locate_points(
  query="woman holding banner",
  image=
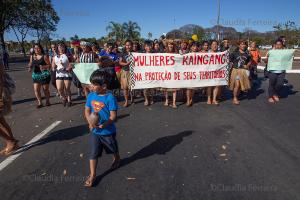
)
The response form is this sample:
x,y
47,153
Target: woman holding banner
x,y
87,56
148,93
212,92
276,77
125,74
191,91
239,78
205,47
171,48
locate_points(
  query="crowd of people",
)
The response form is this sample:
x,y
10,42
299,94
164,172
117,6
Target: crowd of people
x,y
101,106
55,67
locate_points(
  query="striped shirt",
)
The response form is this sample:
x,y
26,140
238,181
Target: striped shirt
x,y
87,58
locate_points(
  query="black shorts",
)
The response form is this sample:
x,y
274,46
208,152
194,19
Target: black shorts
x,y
64,78
100,142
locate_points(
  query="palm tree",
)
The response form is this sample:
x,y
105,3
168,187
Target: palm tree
x,y
132,30
149,35
115,31
74,38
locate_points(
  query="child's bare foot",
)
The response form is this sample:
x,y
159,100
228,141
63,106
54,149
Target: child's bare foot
x,y
90,181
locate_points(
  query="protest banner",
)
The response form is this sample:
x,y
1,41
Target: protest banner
x,y
193,70
83,71
280,59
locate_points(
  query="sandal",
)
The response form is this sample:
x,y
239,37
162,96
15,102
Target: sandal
x,y
174,106
276,98
271,100
39,106
115,164
215,103
236,102
7,151
89,181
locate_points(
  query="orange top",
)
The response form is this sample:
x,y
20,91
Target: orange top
x,y
255,57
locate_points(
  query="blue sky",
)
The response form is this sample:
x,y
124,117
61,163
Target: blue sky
x,y
89,18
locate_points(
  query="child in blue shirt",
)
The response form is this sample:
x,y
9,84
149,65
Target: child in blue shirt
x,y
103,105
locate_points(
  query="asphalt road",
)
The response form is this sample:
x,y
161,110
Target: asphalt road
x,y
251,151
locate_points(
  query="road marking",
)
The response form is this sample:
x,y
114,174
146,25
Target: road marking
x,y
13,157
293,71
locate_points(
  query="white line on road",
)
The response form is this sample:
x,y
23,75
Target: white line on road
x,y
292,71
13,157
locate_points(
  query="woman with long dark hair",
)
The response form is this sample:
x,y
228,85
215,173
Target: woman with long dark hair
x,y
39,65
61,64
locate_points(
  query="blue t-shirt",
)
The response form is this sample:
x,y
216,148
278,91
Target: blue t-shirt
x,y
102,104
111,55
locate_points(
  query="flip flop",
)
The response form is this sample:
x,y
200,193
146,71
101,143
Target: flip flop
x,y
89,181
236,102
115,164
3,151
215,103
11,150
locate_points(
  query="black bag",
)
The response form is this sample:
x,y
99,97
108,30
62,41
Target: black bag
x,y
266,72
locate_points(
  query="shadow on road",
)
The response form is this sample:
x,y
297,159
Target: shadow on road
x,y
60,135
160,146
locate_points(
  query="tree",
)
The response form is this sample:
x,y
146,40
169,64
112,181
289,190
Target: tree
x,y
132,30
289,30
9,10
74,38
116,31
21,31
43,18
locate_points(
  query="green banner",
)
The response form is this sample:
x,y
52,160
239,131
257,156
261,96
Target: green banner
x,y
280,59
83,71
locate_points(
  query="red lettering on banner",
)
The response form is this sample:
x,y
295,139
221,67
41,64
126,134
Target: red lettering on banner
x,y
157,63
184,60
137,76
173,60
205,60
219,74
176,75
162,60
190,75
199,59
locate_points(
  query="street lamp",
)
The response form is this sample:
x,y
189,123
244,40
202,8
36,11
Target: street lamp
x,y
218,22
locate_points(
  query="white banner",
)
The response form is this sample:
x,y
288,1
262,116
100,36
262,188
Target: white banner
x,y
162,70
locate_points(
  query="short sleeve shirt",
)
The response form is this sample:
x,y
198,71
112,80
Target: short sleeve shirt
x,y
102,104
